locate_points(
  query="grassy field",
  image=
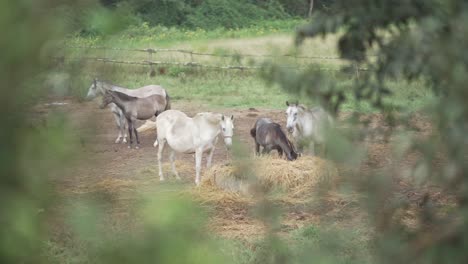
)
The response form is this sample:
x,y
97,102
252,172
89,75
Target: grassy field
x,y
216,87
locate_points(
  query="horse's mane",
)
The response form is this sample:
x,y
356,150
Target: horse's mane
x,y
303,107
213,118
106,82
123,96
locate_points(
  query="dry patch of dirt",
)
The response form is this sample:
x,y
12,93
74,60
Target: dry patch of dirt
x,y
121,173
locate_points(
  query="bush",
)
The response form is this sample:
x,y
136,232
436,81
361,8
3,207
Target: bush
x,y
231,14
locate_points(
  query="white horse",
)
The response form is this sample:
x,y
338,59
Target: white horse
x,y
100,87
191,135
307,125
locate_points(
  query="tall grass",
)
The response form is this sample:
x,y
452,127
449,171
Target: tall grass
x,y
145,35
236,89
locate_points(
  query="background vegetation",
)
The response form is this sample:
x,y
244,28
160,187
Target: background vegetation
x,y
204,14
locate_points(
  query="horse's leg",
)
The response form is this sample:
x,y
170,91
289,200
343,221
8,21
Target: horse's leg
x,y
210,157
266,150
198,160
160,151
280,151
172,158
130,128
136,135
119,125
124,126
312,148
257,149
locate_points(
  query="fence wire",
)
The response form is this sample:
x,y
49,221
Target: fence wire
x,y
192,63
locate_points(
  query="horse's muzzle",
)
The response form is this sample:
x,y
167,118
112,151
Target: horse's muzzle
x,y
290,129
228,142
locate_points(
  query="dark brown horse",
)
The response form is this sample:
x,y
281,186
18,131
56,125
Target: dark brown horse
x,y
270,136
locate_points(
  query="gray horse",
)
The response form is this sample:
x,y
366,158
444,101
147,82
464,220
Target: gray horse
x,y
100,87
134,108
307,126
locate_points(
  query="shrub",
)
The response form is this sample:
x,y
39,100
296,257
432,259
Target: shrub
x,y
231,14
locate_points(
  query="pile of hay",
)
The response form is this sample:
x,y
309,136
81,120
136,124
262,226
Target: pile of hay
x,y
297,179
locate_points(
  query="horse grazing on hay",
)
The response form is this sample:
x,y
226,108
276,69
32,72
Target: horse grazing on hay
x,y
191,135
270,136
307,126
100,87
134,108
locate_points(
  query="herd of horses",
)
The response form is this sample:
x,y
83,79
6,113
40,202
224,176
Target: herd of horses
x,y
199,134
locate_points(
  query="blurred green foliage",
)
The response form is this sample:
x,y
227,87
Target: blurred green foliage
x,y
407,41
414,40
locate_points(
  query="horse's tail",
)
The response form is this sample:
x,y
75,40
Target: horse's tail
x,y
148,125
253,132
168,102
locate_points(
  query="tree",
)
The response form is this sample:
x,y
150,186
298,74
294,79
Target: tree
x,y
311,6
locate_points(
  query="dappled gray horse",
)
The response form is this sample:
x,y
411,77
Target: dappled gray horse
x,y
134,108
270,136
100,87
307,126
191,135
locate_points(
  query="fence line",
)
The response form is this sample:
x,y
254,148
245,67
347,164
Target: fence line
x,y
193,64
191,52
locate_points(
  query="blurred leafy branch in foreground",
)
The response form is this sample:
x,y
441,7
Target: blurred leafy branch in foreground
x,y
36,150
407,40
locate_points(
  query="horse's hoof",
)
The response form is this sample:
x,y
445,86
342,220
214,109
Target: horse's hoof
x,y
137,147
129,147
117,141
124,141
161,179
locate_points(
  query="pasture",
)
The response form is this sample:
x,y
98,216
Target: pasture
x,y
112,183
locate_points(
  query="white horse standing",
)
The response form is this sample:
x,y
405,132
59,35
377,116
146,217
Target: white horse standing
x,y
307,125
191,135
100,87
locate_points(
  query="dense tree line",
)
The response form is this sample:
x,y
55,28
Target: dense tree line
x,y
215,13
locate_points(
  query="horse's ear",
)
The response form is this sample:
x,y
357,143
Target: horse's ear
x,y
222,117
232,117
287,103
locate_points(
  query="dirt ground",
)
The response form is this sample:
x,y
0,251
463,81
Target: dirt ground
x,y
104,165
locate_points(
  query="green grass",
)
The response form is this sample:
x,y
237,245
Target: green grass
x,y
235,89
223,88
160,36
313,242
213,89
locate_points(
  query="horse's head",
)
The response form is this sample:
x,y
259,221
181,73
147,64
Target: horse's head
x,y
293,154
107,98
292,115
94,90
227,129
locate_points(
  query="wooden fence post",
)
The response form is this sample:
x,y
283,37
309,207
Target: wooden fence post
x,y
150,61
